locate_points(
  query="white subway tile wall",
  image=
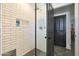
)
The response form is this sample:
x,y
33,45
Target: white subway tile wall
x,y
20,38
9,15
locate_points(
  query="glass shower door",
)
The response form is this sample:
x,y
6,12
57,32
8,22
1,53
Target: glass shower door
x,y
41,29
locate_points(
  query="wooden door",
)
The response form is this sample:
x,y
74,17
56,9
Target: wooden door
x,y
60,30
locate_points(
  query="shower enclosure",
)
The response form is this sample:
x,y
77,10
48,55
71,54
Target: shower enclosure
x,y
29,30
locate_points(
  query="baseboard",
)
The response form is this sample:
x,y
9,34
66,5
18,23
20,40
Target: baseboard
x,y
10,53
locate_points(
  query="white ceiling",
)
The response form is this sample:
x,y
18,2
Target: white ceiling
x,y
54,5
57,5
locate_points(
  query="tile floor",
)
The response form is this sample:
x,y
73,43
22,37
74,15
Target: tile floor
x,y
58,51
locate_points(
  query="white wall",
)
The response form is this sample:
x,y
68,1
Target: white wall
x,y
26,33
77,29
9,15
69,11
20,38
41,22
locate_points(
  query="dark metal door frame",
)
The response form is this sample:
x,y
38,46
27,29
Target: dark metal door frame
x,y
50,30
35,28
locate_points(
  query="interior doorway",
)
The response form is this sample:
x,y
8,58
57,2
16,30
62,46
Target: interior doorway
x,y
60,30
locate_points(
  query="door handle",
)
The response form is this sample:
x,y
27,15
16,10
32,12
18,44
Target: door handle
x,y
47,37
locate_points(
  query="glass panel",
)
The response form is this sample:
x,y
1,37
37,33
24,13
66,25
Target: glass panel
x,y
41,29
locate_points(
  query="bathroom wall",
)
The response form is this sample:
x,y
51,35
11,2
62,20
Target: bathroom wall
x,y
20,38
26,31
41,27
77,29
9,16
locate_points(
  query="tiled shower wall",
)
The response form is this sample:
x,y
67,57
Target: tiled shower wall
x,y
19,38
26,32
41,22
8,25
